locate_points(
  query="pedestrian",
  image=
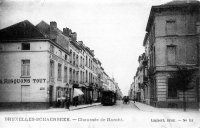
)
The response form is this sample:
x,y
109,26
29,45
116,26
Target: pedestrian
x,y
58,104
128,101
75,100
67,102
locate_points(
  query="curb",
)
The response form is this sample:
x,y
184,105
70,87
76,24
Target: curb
x,y
136,106
48,110
84,107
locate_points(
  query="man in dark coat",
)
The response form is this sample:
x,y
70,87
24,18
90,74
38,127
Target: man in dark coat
x,y
67,102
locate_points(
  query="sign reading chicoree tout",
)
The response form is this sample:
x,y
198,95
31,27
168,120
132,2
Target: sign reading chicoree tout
x,y
22,81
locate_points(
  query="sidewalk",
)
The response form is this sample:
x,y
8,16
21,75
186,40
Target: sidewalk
x,y
148,108
72,108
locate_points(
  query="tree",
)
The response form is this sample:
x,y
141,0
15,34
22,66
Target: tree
x,y
182,79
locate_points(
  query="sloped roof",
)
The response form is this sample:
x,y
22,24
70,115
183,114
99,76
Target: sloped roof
x,y
181,2
21,30
44,28
192,5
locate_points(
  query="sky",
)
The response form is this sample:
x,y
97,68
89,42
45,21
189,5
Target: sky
x,y
114,29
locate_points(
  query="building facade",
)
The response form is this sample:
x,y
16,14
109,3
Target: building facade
x,y
25,79
171,41
42,65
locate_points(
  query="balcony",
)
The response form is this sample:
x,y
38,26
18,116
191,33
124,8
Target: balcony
x,y
51,79
145,78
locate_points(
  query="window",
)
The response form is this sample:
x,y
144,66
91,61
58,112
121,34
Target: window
x,y
70,56
74,77
81,62
52,48
172,91
25,68
65,56
170,27
65,75
1,47
51,69
70,75
171,55
59,71
60,53
89,62
86,61
73,58
191,54
86,76
77,60
77,76
25,46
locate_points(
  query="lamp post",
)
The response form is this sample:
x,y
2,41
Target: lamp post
x,y
134,93
67,91
67,100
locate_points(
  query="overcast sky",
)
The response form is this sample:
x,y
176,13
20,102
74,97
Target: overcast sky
x,y
114,29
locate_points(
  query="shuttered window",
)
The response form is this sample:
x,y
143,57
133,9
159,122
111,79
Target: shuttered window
x,y
25,67
171,55
59,72
170,27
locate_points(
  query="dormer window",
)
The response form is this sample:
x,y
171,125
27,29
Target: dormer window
x,y
25,46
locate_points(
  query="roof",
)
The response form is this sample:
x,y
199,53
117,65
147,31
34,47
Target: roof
x,y
21,30
181,2
44,28
74,43
192,5
26,31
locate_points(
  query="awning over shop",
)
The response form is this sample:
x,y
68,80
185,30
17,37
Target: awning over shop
x,y
77,92
86,84
82,85
75,85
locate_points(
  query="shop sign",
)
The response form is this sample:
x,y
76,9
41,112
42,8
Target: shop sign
x,y
22,81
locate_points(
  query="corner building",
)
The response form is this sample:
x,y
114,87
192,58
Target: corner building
x,y
173,40
33,68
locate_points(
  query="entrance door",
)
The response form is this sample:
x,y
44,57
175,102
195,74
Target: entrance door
x,y
25,93
50,95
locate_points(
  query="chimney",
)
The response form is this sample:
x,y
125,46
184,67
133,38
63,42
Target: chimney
x,y
67,32
53,30
80,42
74,36
92,52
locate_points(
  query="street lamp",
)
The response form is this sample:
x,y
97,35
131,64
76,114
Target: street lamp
x,y
67,85
134,93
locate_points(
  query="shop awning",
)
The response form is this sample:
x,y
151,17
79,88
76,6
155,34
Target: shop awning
x,y
82,85
77,92
86,84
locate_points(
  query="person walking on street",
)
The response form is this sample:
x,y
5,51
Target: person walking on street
x,y
75,100
67,102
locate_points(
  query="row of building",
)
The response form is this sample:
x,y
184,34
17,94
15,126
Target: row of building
x,y
172,40
40,64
